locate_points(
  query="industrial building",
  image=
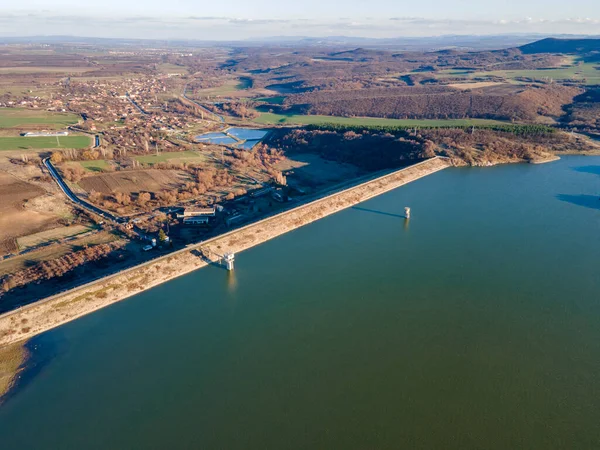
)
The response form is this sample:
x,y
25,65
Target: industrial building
x,y
197,216
45,134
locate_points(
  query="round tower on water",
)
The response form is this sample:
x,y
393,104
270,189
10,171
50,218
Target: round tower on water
x,y
228,259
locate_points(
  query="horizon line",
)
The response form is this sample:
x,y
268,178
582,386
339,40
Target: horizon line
x,y
308,37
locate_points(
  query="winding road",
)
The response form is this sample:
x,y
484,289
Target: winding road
x,y
69,193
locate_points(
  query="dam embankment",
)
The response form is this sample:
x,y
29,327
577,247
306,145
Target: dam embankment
x,y
54,311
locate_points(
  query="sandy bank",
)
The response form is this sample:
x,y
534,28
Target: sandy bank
x,y
12,358
67,306
545,160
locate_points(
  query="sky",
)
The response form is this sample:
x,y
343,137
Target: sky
x,y
248,19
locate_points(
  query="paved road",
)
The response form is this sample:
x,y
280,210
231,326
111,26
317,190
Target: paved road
x,y
69,193
133,102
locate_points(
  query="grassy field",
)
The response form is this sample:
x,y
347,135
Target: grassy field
x,y
98,165
228,88
55,234
172,68
585,72
174,157
37,143
18,117
12,86
277,100
269,118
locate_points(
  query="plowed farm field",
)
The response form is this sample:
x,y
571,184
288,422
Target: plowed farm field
x,y
135,181
15,219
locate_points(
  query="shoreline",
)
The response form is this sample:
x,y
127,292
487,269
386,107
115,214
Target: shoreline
x,y
548,159
41,316
13,359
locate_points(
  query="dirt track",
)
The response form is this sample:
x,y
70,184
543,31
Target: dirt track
x,y
62,308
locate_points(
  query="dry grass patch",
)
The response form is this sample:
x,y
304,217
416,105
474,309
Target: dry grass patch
x,y
54,234
135,181
15,220
474,85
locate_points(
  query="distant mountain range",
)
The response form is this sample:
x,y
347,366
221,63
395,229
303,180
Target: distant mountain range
x,y
528,43
554,45
459,42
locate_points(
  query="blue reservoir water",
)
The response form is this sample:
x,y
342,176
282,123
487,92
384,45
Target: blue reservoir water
x,y
247,134
215,138
475,325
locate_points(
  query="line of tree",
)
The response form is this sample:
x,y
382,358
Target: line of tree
x,y
58,267
516,129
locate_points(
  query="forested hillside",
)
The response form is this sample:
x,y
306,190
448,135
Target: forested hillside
x,y
376,148
439,102
553,45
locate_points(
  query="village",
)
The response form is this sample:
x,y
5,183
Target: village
x,y
152,172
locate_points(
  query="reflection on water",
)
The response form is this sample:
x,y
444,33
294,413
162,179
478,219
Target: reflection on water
x,y
588,169
383,213
231,281
588,201
247,134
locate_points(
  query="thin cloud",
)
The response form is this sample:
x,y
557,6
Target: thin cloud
x,y
207,18
239,21
406,19
233,28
